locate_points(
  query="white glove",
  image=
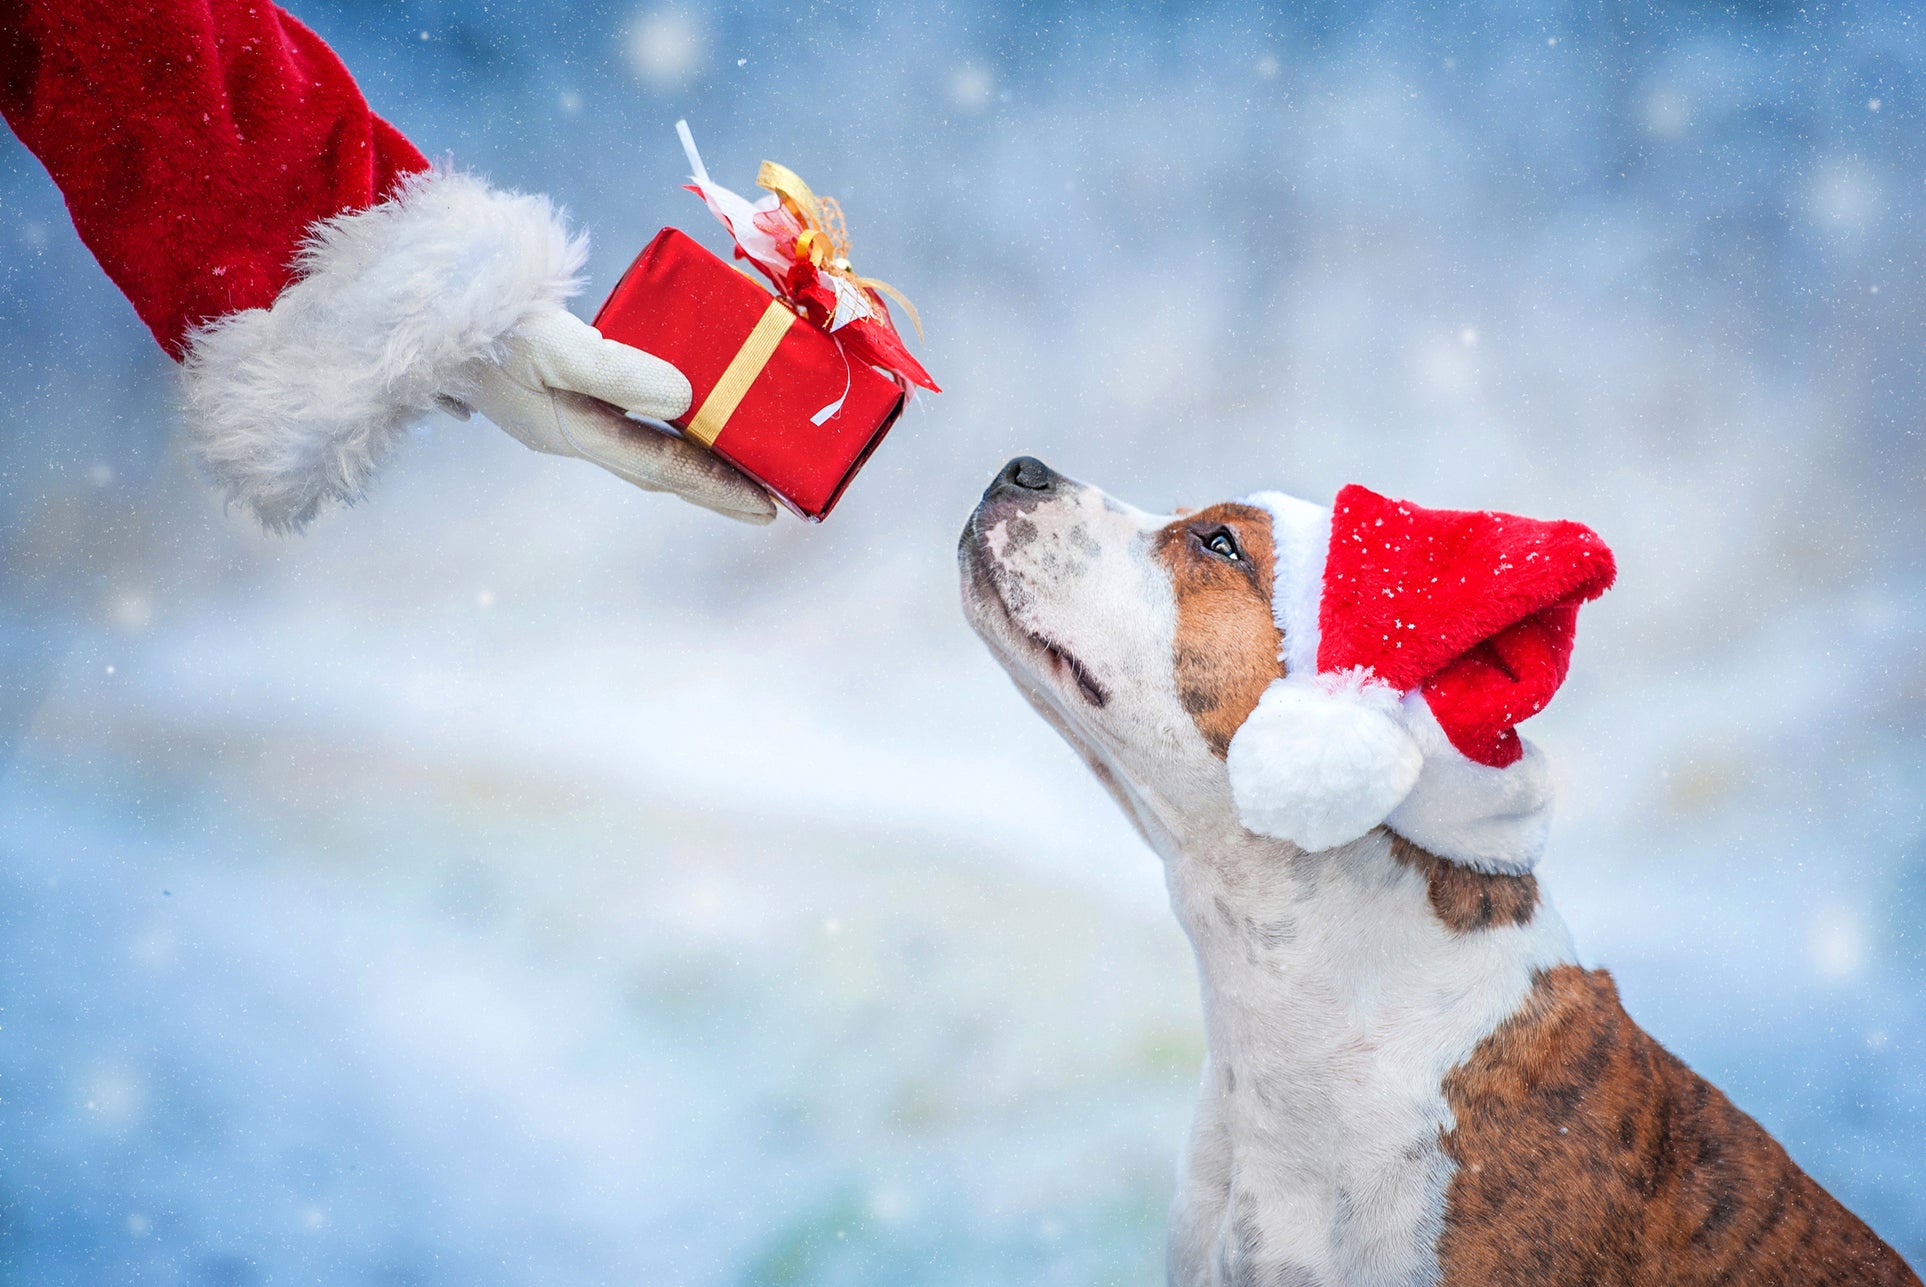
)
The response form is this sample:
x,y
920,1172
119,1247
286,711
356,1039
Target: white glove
x,y
561,388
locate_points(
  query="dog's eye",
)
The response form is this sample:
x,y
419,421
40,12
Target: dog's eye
x,y
1224,545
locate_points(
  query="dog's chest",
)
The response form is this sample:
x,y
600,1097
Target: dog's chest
x,y
1335,1005
1351,1195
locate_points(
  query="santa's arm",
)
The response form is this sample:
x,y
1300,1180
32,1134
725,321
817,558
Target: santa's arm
x,y
322,285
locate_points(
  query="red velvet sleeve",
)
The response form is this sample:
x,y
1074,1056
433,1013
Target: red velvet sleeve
x,y
196,142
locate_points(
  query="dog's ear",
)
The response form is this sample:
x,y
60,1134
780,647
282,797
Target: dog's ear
x,y
1184,511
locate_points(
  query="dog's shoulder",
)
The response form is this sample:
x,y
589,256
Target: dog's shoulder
x,y
1587,1152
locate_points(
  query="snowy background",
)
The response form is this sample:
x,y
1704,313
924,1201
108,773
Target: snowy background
x,y
520,879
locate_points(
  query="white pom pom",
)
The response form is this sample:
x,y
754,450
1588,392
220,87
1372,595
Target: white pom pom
x,y
1322,761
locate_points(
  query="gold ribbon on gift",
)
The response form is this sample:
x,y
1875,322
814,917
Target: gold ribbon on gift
x,y
824,240
707,424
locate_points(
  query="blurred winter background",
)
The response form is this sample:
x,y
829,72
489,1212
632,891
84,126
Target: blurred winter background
x,y
521,879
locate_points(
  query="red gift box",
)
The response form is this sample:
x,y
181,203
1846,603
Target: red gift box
x,y
767,383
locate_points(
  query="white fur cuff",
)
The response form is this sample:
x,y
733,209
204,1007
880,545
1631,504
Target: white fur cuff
x,y
299,403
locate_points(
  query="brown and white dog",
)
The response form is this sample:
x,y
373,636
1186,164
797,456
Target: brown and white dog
x,y
1409,1079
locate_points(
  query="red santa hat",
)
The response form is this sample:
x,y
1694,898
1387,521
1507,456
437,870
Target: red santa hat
x,y
1415,641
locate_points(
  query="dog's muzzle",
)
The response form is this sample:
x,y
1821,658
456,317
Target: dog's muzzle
x,y
1021,485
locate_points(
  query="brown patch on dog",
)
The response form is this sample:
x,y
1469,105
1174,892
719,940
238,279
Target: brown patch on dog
x,y
1227,646
1588,1153
1467,900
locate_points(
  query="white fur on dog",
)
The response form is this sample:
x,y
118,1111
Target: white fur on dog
x,y
1335,1004
393,306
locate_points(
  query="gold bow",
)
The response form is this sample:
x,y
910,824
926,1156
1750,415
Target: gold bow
x,y
824,240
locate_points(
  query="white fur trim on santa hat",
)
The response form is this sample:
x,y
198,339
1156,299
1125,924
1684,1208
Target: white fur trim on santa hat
x,y
1489,819
1300,533
296,404
1322,760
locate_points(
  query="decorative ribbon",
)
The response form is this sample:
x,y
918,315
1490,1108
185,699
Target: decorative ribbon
x,y
800,242
707,424
824,240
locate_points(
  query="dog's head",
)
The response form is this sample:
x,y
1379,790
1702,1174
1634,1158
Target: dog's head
x,y
1286,669
1145,639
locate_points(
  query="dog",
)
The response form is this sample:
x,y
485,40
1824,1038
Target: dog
x,y
1409,1080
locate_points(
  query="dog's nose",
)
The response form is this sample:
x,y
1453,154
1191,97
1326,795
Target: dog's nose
x,y
1027,473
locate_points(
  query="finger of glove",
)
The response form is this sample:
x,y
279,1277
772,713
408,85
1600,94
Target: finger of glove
x,y
573,355
659,461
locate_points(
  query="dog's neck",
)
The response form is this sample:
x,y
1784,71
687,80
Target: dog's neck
x,y
1357,942
1339,990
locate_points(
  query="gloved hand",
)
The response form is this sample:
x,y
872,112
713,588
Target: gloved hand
x,y
561,388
